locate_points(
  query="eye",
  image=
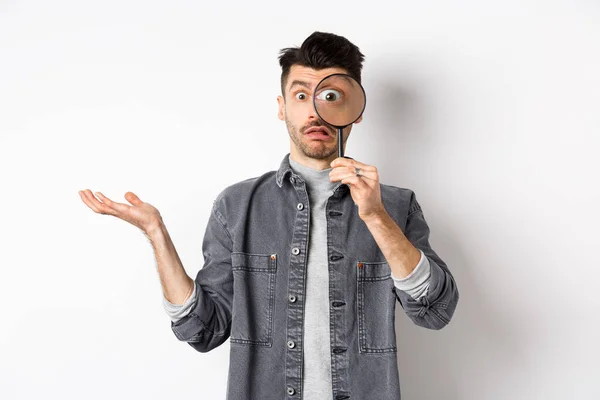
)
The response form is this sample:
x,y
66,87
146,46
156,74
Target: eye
x,y
329,95
301,95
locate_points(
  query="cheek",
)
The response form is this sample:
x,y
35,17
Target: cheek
x,y
298,112
289,112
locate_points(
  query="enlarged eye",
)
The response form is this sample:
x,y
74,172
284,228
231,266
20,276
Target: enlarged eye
x,y
329,95
301,95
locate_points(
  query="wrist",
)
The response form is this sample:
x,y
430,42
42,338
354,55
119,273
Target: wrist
x,y
375,217
156,231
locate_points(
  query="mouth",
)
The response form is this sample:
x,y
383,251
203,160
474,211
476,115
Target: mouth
x,y
318,132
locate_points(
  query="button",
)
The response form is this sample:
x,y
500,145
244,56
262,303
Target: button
x,y
273,256
300,206
291,344
291,391
295,251
292,298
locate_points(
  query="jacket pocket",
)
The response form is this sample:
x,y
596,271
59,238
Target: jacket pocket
x,y
376,308
253,298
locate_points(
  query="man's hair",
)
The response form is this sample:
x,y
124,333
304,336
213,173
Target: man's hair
x,y
322,50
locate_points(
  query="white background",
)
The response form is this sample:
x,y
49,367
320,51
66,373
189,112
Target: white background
x,y
489,111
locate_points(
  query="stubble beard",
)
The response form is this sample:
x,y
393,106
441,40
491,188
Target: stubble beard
x,y
320,151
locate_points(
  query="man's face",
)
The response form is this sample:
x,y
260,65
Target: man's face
x,y
298,112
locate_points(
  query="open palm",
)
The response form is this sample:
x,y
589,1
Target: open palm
x,y
143,215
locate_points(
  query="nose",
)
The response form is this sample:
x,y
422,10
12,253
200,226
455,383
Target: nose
x,y
312,114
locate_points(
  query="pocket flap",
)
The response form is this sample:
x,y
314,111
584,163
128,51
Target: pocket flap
x,y
376,270
254,262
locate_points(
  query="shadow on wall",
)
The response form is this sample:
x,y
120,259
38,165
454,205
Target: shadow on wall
x,y
479,339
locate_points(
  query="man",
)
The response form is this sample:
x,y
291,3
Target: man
x,y
303,265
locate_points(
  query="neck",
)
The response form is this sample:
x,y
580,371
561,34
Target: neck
x,y
317,180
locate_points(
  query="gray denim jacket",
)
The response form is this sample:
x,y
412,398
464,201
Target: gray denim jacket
x,y
251,289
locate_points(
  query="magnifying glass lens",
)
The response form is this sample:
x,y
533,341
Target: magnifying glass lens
x,y
339,100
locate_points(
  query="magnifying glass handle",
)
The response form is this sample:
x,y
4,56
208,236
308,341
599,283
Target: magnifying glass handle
x,y
340,148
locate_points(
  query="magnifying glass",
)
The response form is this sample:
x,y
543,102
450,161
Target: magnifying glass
x,y
339,101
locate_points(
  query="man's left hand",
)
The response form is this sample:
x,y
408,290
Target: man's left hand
x,y
364,189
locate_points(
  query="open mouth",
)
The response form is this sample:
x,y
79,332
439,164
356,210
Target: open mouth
x,y
317,132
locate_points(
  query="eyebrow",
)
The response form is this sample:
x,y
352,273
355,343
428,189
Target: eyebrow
x,y
299,83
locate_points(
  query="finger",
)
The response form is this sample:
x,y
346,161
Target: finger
x,y
369,182
368,177
133,199
351,163
113,205
87,202
93,203
363,173
356,182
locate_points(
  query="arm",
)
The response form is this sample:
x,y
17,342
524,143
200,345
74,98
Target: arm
x,y
401,249
436,308
208,323
175,282
417,282
438,295
178,311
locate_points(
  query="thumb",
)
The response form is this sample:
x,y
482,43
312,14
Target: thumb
x,y
133,199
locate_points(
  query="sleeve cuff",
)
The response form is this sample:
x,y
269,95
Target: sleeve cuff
x,y
178,311
417,282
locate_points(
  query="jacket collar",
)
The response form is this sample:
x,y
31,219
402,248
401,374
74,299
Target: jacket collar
x,y
285,168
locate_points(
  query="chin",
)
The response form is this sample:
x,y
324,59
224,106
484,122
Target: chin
x,y
320,155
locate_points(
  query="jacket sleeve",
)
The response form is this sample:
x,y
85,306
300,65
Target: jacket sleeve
x,y
208,324
435,309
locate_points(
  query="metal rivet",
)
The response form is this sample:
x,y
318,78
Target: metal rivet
x,y
295,251
273,256
291,390
292,298
291,344
300,206
360,265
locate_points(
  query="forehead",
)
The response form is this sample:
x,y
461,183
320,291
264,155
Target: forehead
x,y
309,75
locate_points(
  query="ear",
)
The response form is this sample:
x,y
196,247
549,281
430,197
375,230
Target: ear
x,y
281,112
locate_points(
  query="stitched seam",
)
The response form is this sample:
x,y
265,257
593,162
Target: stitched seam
x,y
414,206
220,219
248,341
205,327
440,316
413,212
270,273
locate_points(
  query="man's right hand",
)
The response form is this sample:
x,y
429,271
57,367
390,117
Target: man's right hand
x,y
143,215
